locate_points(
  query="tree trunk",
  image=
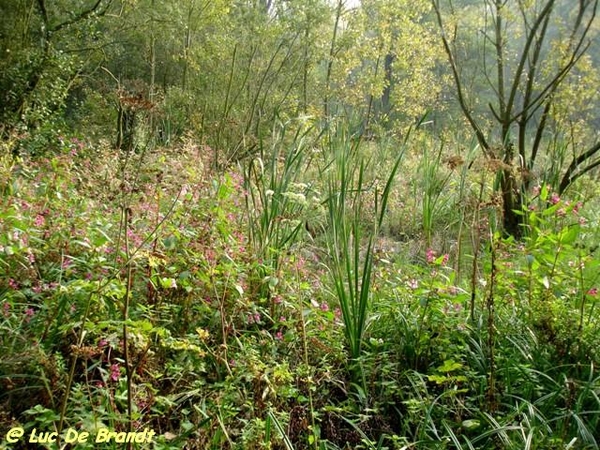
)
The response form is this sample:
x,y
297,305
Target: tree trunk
x,y
512,203
385,97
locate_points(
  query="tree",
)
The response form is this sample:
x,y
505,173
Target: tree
x,y
382,61
39,63
528,48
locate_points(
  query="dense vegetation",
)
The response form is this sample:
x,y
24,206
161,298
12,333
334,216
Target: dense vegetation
x,y
300,224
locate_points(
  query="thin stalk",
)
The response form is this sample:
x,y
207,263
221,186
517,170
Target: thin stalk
x,y
338,15
71,376
307,365
126,304
490,307
259,90
581,289
225,108
475,242
370,103
152,86
420,323
305,70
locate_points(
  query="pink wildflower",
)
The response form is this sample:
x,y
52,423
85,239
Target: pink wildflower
x,y
29,313
279,335
39,221
337,313
300,263
324,307
593,291
254,318
211,256
6,309
13,284
430,255
115,372
554,198
142,404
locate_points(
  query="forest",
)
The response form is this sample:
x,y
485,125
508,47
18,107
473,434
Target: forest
x,y
299,224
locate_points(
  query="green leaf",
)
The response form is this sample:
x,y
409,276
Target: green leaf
x,y
546,282
551,210
170,242
438,379
240,289
544,193
449,366
143,325
470,424
569,235
168,283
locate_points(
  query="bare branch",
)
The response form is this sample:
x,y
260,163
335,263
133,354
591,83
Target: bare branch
x,y
82,15
521,66
577,52
43,11
499,46
458,82
573,172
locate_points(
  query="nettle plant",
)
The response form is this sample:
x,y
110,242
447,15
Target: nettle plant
x,y
559,273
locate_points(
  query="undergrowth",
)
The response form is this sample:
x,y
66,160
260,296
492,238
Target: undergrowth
x,y
275,306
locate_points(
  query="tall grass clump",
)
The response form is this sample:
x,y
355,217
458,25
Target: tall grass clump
x,y
433,184
351,237
276,196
